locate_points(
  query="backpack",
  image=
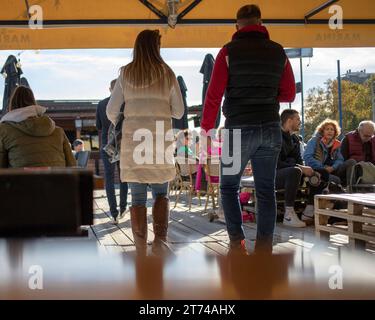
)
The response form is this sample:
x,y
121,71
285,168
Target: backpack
x,y
113,147
363,173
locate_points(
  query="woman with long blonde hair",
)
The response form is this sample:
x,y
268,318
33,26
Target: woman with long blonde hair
x,y
152,97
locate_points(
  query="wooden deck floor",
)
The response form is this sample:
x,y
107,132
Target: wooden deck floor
x,y
74,268
192,231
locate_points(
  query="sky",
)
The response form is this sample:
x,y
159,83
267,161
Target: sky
x,y
85,74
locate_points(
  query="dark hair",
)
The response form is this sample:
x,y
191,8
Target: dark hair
x,y
186,133
287,114
182,135
249,14
77,142
21,97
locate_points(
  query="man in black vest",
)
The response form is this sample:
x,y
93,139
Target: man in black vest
x,y
255,74
102,124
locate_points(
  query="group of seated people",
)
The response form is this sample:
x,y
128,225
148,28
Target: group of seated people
x,y
188,151
324,156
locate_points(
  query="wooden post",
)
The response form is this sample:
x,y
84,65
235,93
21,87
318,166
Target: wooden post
x,y
355,227
320,220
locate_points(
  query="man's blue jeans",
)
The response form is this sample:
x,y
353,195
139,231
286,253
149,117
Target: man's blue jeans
x,y
139,192
261,144
109,177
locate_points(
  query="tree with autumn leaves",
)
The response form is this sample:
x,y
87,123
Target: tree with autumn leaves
x,y
322,103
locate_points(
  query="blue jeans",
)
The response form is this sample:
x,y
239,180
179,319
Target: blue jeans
x,y
261,144
139,192
109,177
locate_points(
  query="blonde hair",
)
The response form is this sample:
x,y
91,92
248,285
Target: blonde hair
x,y
147,66
329,122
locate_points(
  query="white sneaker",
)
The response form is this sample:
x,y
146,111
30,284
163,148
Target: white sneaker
x,y
308,213
291,219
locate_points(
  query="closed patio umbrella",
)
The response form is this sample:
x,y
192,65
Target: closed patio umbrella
x,y
206,70
182,124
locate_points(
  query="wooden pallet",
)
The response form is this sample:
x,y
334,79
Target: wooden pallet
x,y
360,216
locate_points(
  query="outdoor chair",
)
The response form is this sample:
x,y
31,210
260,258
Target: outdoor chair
x,y
175,184
45,202
185,172
83,159
212,170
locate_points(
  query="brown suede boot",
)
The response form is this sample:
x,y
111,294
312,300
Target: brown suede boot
x,y
160,214
138,218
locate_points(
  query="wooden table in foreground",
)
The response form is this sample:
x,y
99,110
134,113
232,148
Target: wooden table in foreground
x,y
80,269
357,209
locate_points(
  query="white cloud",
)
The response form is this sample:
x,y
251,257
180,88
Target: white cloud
x,y
184,63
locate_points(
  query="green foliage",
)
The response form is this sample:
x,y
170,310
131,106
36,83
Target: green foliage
x,y
322,103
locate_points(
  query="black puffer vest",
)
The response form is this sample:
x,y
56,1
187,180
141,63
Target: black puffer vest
x,y
256,65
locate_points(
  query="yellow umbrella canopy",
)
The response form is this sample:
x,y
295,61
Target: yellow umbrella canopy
x,y
200,23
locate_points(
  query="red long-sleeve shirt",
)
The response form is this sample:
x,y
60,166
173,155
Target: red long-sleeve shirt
x,y
219,81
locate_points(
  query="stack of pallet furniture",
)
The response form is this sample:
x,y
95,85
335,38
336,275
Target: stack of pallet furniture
x,y
360,217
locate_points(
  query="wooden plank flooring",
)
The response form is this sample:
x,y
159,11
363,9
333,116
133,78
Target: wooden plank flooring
x,y
192,231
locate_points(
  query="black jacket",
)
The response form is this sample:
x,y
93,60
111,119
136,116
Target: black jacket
x,y
290,154
256,65
102,122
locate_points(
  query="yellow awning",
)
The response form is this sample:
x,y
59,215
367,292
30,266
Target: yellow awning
x,y
116,23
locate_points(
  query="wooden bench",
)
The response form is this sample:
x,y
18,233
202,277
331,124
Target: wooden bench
x,y
248,185
360,217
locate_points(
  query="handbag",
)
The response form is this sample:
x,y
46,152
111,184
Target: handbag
x,y
113,147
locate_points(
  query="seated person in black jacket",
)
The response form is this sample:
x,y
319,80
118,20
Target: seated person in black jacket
x,y
290,167
78,147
